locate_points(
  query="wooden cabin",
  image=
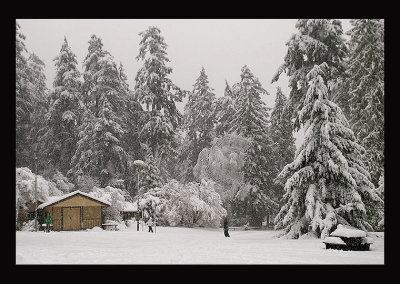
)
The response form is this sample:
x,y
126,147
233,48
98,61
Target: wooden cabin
x,y
74,211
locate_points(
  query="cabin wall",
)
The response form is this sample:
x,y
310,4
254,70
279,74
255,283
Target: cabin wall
x,y
75,217
91,217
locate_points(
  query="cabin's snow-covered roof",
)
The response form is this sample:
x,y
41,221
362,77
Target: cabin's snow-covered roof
x,y
55,199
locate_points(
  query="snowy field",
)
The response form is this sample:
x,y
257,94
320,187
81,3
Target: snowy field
x,y
174,245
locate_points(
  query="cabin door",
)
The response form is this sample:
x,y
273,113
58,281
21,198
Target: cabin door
x,y
71,218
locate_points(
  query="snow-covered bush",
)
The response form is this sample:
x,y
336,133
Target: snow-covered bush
x,y
25,187
223,164
28,226
192,204
115,196
25,192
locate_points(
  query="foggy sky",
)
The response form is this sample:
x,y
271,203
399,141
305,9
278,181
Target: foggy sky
x,y
221,46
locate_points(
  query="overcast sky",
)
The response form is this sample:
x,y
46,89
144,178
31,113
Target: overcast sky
x,y
221,46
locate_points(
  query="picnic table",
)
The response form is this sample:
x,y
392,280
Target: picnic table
x,y
348,238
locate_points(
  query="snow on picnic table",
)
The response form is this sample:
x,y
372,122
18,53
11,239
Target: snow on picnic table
x,y
176,245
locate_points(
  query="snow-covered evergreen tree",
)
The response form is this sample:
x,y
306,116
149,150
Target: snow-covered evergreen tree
x,y
37,78
224,111
39,94
150,176
366,90
327,183
158,93
63,117
130,142
251,121
24,102
198,122
281,130
99,152
381,210
199,112
251,116
318,41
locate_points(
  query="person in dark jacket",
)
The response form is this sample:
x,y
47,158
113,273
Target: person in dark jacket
x,y
226,227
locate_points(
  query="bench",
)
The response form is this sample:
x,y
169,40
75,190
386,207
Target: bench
x,y
109,227
253,228
236,228
244,228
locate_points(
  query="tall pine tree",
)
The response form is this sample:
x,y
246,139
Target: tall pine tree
x,y
198,121
133,121
281,130
366,91
24,103
318,41
149,176
158,93
251,121
224,111
99,152
64,115
327,183
40,103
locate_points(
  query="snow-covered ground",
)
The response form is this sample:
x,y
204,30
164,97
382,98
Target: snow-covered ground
x,y
175,245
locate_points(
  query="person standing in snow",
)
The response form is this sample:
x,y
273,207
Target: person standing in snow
x,y
150,224
48,222
226,227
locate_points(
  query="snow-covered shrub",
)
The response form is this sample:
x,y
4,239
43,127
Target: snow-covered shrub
x,y
223,164
121,226
203,206
192,204
165,201
25,188
115,196
25,191
28,226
